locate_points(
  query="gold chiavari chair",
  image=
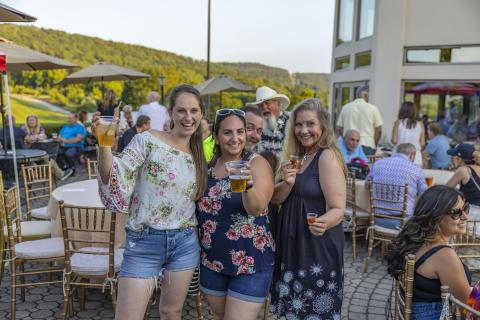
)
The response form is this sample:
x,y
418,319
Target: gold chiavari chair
x,y
387,201
355,219
91,168
37,181
453,306
34,252
373,158
90,253
404,290
467,245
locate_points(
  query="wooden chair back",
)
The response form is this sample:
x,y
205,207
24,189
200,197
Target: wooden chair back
x,y
91,168
37,181
389,198
373,158
468,245
11,217
404,290
456,307
87,227
351,193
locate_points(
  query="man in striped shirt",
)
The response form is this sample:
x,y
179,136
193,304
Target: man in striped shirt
x,y
272,106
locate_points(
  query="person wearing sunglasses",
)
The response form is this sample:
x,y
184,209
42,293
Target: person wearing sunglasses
x,y
235,237
440,213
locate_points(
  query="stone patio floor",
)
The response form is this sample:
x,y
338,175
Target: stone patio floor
x,y
365,294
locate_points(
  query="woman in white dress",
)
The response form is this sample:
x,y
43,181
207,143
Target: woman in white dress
x,y
407,129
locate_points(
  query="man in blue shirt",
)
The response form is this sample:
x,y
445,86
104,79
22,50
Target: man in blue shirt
x,y
350,146
398,169
437,147
71,138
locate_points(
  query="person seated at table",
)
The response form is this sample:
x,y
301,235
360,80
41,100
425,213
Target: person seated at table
x,y
33,131
107,105
71,138
18,134
142,124
440,213
398,169
437,147
350,146
467,175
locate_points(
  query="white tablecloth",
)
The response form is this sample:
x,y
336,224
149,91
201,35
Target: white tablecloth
x,y
363,198
83,194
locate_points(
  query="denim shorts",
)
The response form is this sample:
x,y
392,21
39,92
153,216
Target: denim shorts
x,y
426,310
150,251
247,287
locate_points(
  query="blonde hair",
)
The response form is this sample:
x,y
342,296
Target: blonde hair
x,y
476,157
36,129
327,139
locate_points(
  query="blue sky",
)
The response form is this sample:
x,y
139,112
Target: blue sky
x,y
292,34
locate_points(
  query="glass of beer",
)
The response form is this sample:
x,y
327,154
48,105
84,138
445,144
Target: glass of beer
x,y
238,182
106,132
311,216
429,181
294,161
54,135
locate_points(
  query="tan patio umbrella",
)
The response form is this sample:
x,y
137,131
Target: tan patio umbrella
x,y
23,59
9,14
220,84
102,71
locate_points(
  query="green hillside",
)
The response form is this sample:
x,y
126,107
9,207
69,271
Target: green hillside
x,y
85,51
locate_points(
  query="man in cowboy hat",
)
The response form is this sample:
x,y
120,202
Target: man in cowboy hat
x,y
272,106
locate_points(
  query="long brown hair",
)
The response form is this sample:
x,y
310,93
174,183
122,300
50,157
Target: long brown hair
x,y
408,112
196,140
109,100
327,139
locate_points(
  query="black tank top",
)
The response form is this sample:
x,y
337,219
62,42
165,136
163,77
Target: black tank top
x,y
426,289
470,190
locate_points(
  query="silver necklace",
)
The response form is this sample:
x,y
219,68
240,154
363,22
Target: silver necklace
x,y
307,155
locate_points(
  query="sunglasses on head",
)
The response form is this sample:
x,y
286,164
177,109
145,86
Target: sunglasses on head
x,y
226,112
457,213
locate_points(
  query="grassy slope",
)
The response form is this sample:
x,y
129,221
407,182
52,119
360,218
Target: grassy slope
x,y
21,109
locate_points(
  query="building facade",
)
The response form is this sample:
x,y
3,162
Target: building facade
x,y
424,51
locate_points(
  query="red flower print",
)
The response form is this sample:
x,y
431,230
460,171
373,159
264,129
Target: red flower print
x,y
242,270
260,230
232,234
246,230
249,261
215,191
217,266
260,242
209,226
237,257
206,240
205,205
216,205
171,176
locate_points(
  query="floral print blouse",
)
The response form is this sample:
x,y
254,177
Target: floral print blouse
x,y
33,136
232,241
154,183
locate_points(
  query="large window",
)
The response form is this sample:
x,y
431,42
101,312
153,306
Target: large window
x,y
367,18
465,54
342,63
363,59
345,21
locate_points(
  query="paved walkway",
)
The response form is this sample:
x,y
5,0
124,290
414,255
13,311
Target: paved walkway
x,y
365,294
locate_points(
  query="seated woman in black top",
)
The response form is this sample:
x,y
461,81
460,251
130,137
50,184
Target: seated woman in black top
x,y
440,213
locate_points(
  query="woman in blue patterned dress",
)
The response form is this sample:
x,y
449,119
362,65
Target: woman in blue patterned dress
x,y
308,276
235,238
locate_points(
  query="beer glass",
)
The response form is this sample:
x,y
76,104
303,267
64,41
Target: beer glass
x,y
238,182
429,181
106,132
294,161
311,216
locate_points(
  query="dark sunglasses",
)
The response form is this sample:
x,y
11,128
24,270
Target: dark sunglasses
x,y
226,112
457,213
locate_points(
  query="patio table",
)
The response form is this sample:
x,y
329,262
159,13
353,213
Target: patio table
x,y
84,194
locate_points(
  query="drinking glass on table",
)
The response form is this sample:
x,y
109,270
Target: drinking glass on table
x,y
106,130
429,181
54,135
238,181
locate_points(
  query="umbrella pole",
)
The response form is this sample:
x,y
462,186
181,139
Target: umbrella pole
x,y
4,138
12,138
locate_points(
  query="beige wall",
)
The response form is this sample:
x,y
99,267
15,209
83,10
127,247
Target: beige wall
x,y
442,22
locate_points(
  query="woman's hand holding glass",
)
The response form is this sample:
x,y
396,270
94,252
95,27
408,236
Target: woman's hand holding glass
x,y
319,227
288,173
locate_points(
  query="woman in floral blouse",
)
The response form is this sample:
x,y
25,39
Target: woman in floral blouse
x,y
33,131
235,237
156,180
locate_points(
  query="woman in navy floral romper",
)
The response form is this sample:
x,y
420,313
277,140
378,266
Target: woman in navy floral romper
x,y
236,241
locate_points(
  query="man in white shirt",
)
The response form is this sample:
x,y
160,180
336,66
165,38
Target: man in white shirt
x,y
157,113
363,117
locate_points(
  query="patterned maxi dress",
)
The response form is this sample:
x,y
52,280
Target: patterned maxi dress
x,y
308,277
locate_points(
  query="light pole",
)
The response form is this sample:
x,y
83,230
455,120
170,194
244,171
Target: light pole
x,y
208,41
162,88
